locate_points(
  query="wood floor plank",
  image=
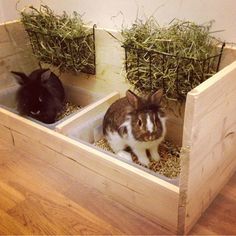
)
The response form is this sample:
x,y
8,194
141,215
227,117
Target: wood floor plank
x,y
43,215
8,225
9,197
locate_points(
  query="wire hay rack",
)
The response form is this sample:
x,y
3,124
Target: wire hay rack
x,y
148,70
61,40
176,57
77,54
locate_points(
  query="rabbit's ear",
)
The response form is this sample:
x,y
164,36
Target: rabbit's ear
x,y
45,76
20,77
133,99
156,97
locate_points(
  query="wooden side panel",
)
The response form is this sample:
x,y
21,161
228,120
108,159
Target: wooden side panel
x,y
110,72
228,56
209,138
175,122
140,191
88,112
15,52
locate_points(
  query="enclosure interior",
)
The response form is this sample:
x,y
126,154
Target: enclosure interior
x,y
75,95
91,131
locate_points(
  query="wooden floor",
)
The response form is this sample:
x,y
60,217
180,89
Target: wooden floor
x,y
37,197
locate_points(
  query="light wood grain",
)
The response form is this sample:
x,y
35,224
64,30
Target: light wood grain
x,y
220,217
9,225
228,56
15,52
6,135
88,112
210,135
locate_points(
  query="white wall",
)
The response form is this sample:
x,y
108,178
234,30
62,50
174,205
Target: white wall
x,y
101,11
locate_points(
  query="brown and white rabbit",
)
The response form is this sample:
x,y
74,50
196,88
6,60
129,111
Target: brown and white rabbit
x,y
136,123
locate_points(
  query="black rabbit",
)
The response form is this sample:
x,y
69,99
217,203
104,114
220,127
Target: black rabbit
x,y
41,95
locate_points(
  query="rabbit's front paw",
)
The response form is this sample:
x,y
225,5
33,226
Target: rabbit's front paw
x,y
142,156
154,154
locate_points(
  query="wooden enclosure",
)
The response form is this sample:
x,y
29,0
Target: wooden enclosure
x,y
208,138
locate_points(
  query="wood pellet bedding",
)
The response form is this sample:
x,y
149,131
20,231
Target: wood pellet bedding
x,y
68,109
168,165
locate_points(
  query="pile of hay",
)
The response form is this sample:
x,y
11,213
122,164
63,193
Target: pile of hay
x,y
177,57
62,41
68,109
168,165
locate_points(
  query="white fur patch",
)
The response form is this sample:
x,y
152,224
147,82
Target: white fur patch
x,y
149,124
118,143
35,113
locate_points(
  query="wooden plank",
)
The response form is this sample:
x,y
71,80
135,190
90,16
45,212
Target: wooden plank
x,y
129,222
21,61
220,217
149,199
9,197
6,135
228,56
175,122
15,50
210,136
16,227
7,49
17,34
4,34
6,80
110,72
214,183
88,112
